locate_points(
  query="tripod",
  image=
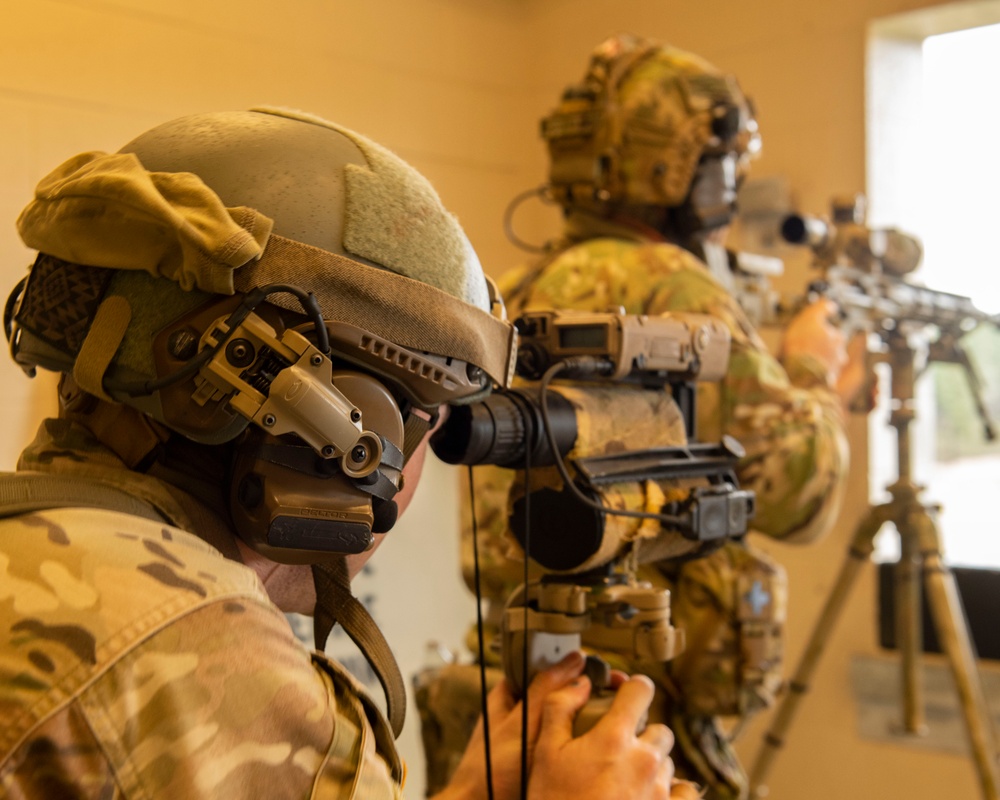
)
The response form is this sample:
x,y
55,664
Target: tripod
x,y
920,548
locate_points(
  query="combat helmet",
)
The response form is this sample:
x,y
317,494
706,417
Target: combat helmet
x,y
274,281
651,128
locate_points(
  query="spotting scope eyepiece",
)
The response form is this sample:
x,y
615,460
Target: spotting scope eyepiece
x,y
503,428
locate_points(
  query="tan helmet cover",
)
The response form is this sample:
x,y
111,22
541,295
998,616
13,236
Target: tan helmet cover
x,y
226,202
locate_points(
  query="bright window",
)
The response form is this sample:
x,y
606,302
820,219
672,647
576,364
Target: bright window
x,y
934,170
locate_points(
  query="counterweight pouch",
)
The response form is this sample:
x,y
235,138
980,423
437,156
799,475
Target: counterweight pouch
x,y
732,606
449,700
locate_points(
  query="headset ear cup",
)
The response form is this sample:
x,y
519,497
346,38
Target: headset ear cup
x,y
285,506
385,514
294,506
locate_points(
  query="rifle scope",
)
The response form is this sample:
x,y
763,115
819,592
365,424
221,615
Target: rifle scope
x,y
802,229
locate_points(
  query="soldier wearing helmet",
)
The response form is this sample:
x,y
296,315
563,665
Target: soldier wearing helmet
x,y
646,155
257,317
653,136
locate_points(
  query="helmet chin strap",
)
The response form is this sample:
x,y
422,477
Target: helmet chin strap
x,y
335,604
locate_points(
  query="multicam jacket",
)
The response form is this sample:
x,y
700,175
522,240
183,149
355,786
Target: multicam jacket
x,y
136,661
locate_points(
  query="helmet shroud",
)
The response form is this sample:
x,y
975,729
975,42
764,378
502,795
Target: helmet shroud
x,y
632,137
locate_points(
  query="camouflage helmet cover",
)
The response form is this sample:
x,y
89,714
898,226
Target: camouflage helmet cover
x,y
634,131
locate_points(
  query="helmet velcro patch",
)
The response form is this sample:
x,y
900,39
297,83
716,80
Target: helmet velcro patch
x,y
394,217
60,301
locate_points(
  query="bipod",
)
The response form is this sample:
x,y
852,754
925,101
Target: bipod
x,y
920,555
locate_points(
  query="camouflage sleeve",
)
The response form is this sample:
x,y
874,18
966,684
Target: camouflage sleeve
x,y
794,436
224,703
136,662
797,456
806,372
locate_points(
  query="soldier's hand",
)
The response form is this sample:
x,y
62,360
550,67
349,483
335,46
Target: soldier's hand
x,y
856,384
469,779
610,760
812,332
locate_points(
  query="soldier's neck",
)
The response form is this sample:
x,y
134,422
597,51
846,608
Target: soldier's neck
x,y
581,225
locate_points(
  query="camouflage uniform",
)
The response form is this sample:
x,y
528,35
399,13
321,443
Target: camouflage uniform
x,y
732,602
136,660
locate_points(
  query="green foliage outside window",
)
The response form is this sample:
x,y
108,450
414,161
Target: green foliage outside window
x,y
959,427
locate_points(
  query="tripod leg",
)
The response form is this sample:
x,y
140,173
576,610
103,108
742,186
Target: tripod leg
x,y
953,633
859,552
909,638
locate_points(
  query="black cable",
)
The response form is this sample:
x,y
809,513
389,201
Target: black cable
x,y
8,309
547,378
311,306
524,644
308,301
508,218
480,630
139,388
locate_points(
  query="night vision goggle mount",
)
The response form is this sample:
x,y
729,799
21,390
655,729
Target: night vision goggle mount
x,y
286,386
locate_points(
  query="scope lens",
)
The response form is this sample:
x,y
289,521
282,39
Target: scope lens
x,y
490,432
793,229
501,429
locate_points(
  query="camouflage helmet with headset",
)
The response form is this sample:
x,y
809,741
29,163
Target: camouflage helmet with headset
x,y
206,238
651,127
